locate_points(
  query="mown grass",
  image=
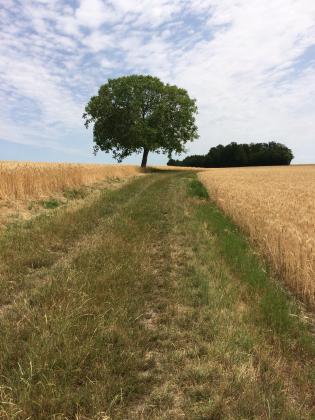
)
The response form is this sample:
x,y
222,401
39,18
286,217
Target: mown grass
x,y
146,303
40,242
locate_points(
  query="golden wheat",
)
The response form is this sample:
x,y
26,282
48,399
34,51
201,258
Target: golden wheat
x,y
25,180
276,207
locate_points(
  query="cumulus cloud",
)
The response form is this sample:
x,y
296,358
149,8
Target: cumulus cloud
x,y
250,65
93,13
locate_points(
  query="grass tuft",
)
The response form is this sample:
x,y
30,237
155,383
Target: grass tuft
x,y
50,204
74,193
196,189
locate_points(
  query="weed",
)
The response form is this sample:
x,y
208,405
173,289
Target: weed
x,y
52,203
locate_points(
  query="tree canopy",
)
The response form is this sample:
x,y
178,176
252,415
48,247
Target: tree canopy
x,y
136,113
253,154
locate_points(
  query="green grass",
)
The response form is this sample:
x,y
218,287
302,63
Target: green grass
x,y
146,303
52,203
196,189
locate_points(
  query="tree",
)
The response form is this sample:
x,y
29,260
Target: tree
x,y
233,154
140,113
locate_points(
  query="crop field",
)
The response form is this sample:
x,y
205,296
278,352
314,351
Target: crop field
x,y
276,207
27,180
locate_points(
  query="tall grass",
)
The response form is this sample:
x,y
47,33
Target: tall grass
x,y
275,206
24,180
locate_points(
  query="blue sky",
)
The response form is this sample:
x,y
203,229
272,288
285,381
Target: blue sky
x,y
249,63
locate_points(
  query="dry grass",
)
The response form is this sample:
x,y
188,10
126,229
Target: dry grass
x,y
27,180
276,207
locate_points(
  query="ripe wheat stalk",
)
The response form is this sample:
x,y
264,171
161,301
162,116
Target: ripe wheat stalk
x,y
276,207
27,180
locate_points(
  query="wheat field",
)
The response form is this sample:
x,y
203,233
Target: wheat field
x,y
276,207
28,180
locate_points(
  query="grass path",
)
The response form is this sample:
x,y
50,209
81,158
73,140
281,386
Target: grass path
x,y
146,304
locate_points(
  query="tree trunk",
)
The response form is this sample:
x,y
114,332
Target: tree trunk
x,y
144,158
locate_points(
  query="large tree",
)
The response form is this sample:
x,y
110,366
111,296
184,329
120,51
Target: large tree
x,y
134,114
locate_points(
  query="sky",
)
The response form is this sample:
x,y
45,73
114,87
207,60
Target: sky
x,y
250,64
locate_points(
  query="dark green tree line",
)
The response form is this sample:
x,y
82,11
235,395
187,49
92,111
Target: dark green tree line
x,y
253,154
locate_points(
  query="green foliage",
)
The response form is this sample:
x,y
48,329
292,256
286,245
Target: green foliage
x,y
135,113
233,154
50,204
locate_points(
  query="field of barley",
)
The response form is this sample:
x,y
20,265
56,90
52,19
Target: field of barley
x,y
276,207
28,180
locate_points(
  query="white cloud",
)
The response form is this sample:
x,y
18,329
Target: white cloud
x,y
93,13
147,12
98,41
238,76
108,64
242,59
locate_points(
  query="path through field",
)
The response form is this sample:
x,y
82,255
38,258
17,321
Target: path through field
x,y
146,304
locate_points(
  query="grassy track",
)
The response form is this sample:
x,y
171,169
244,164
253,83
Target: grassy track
x,y
146,304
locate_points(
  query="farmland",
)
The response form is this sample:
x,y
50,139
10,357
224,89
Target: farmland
x,y
27,180
275,206
147,302
28,188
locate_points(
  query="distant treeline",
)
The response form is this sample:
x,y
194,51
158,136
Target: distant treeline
x,y
253,154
